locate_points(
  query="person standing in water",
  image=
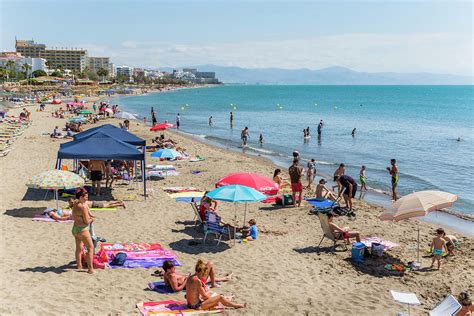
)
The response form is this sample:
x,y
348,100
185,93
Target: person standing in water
x,y
353,132
210,120
244,135
320,127
153,117
260,140
178,121
363,179
231,119
393,170
304,133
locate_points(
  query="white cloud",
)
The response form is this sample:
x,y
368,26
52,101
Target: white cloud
x,y
435,52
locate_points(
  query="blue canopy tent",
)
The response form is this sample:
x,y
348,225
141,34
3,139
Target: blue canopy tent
x,y
101,146
115,132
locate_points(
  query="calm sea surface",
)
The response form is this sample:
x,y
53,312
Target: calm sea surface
x,y
417,125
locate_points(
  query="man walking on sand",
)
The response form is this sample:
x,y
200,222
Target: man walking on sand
x,y
393,170
296,174
98,170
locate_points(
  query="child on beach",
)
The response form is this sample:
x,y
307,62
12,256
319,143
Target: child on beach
x,y
439,247
253,230
451,243
363,179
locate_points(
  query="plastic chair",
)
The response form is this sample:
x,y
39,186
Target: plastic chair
x,y
213,225
327,233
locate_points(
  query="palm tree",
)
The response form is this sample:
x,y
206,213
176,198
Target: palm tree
x,y
49,65
26,67
3,72
11,67
102,72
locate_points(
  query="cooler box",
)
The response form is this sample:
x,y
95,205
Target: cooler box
x,y
358,249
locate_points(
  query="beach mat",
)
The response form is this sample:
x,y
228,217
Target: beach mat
x,y
144,263
42,218
145,255
186,194
397,267
387,244
188,199
171,307
171,190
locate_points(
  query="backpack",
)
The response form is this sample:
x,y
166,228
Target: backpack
x,y
119,259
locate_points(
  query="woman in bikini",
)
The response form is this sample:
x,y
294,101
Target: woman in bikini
x,y
80,230
277,178
197,295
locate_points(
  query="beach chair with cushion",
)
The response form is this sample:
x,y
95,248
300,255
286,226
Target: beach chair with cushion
x,y
448,307
197,217
327,233
213,225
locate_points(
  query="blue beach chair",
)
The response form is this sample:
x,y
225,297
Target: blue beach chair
x,y
213,225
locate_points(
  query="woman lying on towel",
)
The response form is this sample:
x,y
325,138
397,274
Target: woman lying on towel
x,y
197,295
58,215
344,233
177,281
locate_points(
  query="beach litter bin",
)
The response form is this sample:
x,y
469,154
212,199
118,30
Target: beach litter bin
x,y
358,250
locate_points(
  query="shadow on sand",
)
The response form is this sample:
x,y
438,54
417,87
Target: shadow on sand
x,y
58,270
375,266
24,212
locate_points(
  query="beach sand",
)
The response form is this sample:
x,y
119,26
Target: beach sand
x,y
282,273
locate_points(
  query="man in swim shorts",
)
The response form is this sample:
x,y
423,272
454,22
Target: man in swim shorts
x,y
97,168
349,187
393,170
296,174
244,136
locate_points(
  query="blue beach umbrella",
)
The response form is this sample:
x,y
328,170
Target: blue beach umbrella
x,y
166,153
237,194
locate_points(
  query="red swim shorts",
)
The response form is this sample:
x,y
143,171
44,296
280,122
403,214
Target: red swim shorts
x,y
297,187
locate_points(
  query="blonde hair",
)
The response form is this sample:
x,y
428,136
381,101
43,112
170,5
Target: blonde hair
x,y
201,267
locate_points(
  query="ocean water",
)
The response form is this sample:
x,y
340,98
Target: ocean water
x,y
417,125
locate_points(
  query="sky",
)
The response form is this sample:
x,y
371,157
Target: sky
x,y
371,36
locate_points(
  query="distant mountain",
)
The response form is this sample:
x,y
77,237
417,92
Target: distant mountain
x,y
328,76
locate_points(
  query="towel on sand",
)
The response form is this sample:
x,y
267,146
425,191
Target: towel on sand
x,y
387,244
185,194
171,307
43,218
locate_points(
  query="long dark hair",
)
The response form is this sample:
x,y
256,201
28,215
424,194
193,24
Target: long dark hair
x,y
277,171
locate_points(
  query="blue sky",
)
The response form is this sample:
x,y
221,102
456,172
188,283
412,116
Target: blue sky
x,y
401,36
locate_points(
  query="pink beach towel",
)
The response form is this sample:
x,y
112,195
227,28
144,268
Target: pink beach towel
x,y
42,218
387,244
171,307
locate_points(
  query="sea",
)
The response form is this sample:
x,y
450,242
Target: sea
x,y
429,130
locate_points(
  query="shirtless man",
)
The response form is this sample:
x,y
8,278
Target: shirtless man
x,y
109,175
339,172
198,297
393,170
322,192
97,168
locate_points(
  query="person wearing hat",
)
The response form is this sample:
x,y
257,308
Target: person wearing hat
x,y
322,191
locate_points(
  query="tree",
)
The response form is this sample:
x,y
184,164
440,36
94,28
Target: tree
x,y
56,74
102,72
38,73
3,72
10,68
49,64
92,76
26,68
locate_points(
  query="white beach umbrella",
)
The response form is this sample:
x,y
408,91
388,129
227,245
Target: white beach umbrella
x,y
418,204
125,116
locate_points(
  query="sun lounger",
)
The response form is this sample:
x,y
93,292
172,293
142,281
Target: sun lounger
x,y
327,233
405,298
197,217
448,307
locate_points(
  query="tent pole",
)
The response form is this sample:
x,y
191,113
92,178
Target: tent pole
x,y
245,214
56,195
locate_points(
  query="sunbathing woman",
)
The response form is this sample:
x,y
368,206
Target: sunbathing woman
x,y
197,295
80,230
343,233
58,215
279,180
98,204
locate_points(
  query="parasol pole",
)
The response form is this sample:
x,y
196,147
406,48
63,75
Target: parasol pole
x,y
56,196
235,221
245,214
418,246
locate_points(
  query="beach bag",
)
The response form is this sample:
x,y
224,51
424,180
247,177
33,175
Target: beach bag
x,y
377,249
119,259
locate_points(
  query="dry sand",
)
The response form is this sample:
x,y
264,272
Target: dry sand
x,y
282,273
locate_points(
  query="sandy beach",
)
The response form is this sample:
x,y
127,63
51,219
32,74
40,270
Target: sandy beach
x,y
281,273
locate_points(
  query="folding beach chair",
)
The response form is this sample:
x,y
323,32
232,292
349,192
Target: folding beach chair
x,y
197,217
327,233
213,225
321,205
448,307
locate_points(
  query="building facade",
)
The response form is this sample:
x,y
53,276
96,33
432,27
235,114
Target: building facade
x,y
96,63
67,58
19,61
125,71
